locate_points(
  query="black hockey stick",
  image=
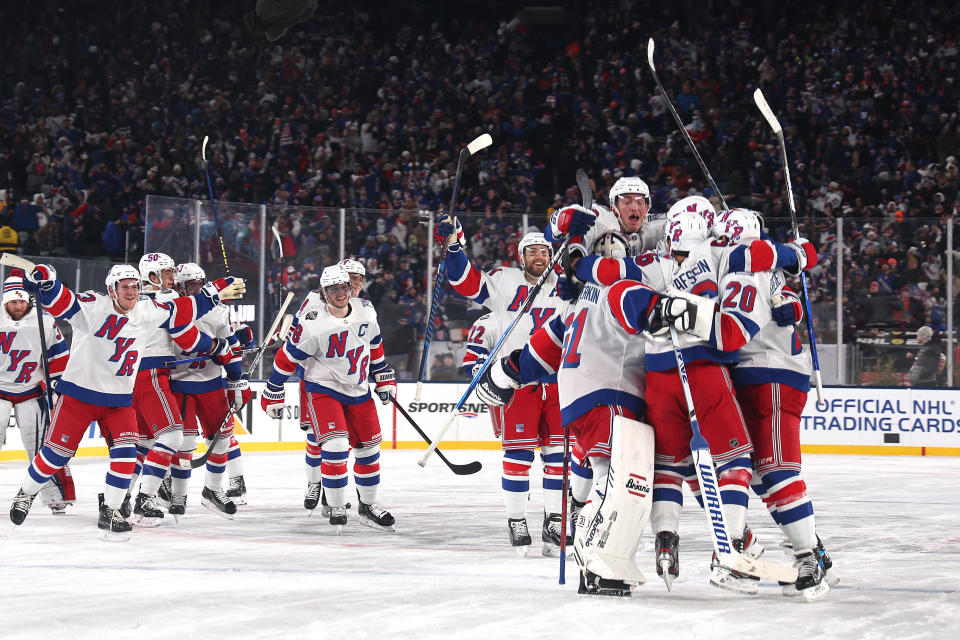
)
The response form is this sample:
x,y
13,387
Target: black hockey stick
x,y
586,195
480,142
202,460
460,469
213,203
683,129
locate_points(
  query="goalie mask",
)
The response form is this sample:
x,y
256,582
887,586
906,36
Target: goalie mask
x,y
154,264
612,244
630,201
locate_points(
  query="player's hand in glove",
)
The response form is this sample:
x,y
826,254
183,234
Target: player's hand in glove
x,y
220,351
806,255
691,313
567,289
245,337
271,401
238,394
787,310
574,220
223,289
42,278
499,381
449,231
385,384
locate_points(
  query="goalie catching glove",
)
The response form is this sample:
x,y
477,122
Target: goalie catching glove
x,y
272,401
385,384
223,289
684,312
499,381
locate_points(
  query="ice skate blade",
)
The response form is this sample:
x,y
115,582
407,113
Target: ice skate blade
x,y
665,573
522,550
238,500
324,511
832,578
339,529
113,536
550,550
209,505
146,523
373,525
724,580
815,593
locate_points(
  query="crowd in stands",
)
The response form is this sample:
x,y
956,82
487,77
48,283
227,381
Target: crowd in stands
x,y
365,107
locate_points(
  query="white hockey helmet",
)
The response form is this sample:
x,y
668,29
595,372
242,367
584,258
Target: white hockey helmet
x,y
187,271
120,272
924,333
531,239
154,263
611,244
333,275
697,204
687,232
631,184
13,290
737,225
353,266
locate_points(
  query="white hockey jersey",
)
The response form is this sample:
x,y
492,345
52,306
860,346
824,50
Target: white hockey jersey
x,y
480,340
106,347
337,354
21,371
159,346
644,240
204,375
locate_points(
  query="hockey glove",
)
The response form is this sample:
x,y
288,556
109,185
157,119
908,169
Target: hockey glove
x,y
42,278
499,381
475,369
787,310
245,336
567,289
238,394
220,351
806,256
570,258
449,231
574,220
223,289
283,331
385,384
272,401
689,313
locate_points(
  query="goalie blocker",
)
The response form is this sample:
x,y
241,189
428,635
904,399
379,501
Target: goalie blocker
x,y
610,526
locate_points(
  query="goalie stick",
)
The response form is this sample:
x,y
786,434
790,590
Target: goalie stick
x,y
683,129
586,196
460,469
496,348
199,462
477,144
778,131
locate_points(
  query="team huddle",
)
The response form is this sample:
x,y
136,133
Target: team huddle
x,y
592,377
597,358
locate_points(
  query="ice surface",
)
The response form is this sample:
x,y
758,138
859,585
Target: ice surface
x,y
891,524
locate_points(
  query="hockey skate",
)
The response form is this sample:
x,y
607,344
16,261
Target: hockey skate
x,y
550,534
146,511
165,493
375,516
668,557
111,523
831,576
811,577
312,498
338,518
593,585
237,491
178,506
731,580
519,535
324,507
20,507
218,502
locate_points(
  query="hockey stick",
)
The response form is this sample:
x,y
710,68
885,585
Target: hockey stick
x,y
778,131
586,195
199,462
170,364
213,203
480,142
683,129
13,260
460,469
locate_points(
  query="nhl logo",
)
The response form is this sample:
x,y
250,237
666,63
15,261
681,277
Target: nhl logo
x,y
637,486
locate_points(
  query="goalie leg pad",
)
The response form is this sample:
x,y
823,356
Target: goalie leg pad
x,y
610,527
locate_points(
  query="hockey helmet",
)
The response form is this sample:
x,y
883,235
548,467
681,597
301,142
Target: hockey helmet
x,y
333,275
696,204
737,225
687,232
187,271
120,272
630,184
611,244
532,239
154,263
13,290
353,266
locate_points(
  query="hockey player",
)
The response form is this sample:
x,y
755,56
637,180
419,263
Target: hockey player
x,y
480,341
98,381
532,418
22,381
358,275
199,391
339,346
772,379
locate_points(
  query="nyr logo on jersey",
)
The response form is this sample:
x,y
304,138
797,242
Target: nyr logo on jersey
x,y
122,353
17,357
540,317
